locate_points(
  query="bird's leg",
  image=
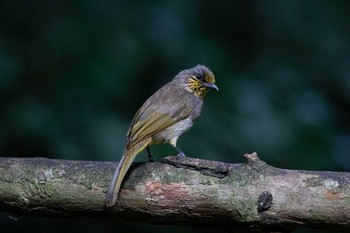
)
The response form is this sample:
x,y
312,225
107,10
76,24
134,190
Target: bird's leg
x,y
150,158
181,153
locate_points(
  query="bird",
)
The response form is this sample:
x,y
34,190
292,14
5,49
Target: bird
x,y
163,118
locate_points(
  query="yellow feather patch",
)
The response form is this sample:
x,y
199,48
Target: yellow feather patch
x,y
195,86
209,79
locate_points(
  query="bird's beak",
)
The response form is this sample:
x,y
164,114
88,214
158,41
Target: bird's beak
x,y
211,86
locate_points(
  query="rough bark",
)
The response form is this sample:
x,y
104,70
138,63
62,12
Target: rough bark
x,y
180,191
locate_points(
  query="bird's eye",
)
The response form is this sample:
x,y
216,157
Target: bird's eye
x,y
200,77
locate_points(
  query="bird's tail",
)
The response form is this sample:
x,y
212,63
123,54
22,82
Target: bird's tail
x,y
123,166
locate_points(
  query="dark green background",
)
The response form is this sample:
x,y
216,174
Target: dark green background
x,y
73,73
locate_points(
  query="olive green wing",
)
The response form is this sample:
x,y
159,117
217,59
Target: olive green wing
x,y
150,120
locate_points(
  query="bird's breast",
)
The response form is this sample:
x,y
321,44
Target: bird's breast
x,y
172,133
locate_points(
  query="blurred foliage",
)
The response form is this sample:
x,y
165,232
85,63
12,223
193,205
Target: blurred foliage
x,y
73,73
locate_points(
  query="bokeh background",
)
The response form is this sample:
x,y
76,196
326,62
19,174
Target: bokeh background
x,y
73,73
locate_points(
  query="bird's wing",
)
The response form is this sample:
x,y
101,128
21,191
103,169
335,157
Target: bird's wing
x,y
150,120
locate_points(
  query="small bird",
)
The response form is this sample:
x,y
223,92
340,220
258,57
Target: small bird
x,y
163,118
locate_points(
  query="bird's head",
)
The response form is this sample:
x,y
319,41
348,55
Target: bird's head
x,y
198,80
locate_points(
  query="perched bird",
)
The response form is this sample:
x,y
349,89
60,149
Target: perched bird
x,y
166,115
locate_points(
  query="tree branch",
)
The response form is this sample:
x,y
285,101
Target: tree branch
x,y
180,191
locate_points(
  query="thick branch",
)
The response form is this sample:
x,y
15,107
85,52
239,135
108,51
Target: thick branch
x,y
181,191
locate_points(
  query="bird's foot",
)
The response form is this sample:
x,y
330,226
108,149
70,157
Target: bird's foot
x,y
179,159
150,159
181,155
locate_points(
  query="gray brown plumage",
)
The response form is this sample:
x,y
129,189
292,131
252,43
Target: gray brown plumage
x,y
166,115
